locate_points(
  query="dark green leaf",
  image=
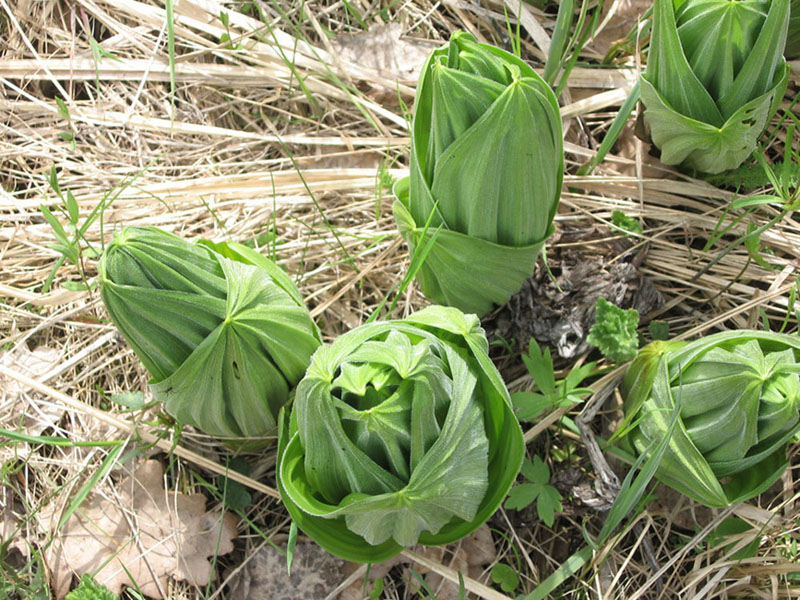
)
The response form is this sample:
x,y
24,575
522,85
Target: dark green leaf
x,y
536,471
540,366
547,504
522,495
529,405
659,330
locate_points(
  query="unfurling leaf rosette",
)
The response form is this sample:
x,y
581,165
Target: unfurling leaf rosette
x,y
738,397
715,75
222,330
401,432
487,165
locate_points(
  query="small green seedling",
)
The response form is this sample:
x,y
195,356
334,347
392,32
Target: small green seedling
x,y
551,393
614,331
548,500
506,577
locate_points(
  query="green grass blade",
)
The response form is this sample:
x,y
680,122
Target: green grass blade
x,y
559,41
614,131
108,463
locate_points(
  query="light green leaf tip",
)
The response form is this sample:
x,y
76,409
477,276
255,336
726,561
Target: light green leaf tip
x,y
614,331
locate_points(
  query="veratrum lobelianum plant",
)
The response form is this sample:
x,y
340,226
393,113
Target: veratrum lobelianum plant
x,y
738,396
486,168
793,38
715,75
401,432
221,329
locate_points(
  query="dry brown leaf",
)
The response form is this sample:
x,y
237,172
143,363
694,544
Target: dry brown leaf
x,y
22,409
29,417
315,573
469,556
174,536
382,49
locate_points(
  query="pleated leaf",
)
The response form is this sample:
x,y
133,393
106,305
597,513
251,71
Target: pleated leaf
x,y
452,421
486,165
793,37
225,339
739,399
714,77
707,148
456,261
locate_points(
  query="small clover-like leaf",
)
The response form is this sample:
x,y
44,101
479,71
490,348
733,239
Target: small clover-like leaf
x,y
506,577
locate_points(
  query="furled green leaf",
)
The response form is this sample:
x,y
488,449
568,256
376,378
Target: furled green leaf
x,y
401,432
221,329
476,111
715,75
739,399
793,37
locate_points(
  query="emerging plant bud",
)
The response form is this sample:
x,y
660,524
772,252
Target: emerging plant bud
x,y
715,75
401,432
487,164
222,330
738,395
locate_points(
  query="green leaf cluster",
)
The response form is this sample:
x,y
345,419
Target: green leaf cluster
x,y
738,395
486,171
715,75
401,432
551,393
547,498
222,330
614,331
89,589
624,223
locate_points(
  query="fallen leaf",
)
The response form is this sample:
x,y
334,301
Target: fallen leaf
x,y
381,48
30,414
143,534
470,556
315,573
12,529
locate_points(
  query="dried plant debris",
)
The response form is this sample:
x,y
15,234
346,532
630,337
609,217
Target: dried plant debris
x,y
559,310
138,532
315,573
23,410
12,529
382,48
470,556
263,576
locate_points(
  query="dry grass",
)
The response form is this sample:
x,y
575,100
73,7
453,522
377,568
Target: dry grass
x,y
274,136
